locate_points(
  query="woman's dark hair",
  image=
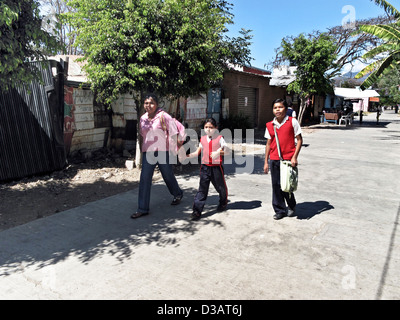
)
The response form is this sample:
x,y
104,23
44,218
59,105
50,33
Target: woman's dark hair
x,y
279,100
210,120
151,95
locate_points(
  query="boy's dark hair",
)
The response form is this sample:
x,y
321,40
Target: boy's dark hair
x,y
279,100
210,120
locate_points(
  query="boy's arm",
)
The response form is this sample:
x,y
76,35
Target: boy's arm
x,y
297,151
267,149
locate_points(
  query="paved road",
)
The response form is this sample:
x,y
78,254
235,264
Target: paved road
x,y
344,243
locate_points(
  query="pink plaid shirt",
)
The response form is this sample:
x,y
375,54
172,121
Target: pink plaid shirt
x,y
154,136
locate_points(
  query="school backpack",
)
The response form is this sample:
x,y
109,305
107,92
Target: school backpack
x,y
181,131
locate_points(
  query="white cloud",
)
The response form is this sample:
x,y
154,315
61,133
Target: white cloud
x,y
357,66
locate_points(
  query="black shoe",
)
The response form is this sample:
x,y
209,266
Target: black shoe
x,y
138,215
195,216
279,216
177,200
222,207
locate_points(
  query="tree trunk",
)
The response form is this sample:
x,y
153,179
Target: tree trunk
x,y
138,151
302,109
138,155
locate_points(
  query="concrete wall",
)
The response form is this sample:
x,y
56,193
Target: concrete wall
x,y
86,126
85,135
196,111
124,120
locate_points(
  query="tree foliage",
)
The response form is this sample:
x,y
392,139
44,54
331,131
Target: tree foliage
x,y
172,47
388,87
389,9
22,39
350,47
386,57
313,57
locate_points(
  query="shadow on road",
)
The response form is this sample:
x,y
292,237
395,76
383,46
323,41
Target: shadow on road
x,y
307,210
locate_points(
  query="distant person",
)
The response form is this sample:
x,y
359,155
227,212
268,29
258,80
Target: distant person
x,y
290,112
378,113
287,129
361,116
212,147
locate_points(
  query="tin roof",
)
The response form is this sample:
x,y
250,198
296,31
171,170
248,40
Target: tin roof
x,y
75,73
355,93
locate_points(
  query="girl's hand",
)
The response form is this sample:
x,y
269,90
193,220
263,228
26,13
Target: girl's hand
x,y
215,154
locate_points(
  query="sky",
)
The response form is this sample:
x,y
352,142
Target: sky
x,y
273,20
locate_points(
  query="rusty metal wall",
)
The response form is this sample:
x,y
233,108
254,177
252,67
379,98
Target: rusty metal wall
x,y
31,127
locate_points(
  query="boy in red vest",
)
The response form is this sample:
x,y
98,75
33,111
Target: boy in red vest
x,y
212,147
287,129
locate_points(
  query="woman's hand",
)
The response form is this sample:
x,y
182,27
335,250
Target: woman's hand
x,y
182,154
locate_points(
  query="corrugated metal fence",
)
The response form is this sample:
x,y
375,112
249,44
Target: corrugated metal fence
x,y
31,127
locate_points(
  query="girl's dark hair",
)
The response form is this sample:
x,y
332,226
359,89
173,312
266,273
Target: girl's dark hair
x,y
210,120
151,95
279,100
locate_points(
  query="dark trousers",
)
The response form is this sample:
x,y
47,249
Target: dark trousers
x,y
150,161
278,196
215,175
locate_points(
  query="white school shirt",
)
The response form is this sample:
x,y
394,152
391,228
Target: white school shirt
x,y
222,142
295,124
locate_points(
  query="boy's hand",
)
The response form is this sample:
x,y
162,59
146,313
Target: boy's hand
x,y
294,162
266,167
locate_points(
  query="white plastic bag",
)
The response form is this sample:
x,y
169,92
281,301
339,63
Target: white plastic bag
x,y
289,177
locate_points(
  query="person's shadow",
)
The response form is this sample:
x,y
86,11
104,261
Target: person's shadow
x,y
307,210
237,205
245,205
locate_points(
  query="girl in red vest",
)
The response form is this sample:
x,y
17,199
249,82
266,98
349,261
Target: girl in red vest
x,y
287,129
212,147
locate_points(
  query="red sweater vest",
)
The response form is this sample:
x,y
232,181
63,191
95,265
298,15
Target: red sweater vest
x,y
286,140
209,147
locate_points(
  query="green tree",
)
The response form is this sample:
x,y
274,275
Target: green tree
x,y
172,47
175,48
22,39
313,57
389,88
349,47
385,57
